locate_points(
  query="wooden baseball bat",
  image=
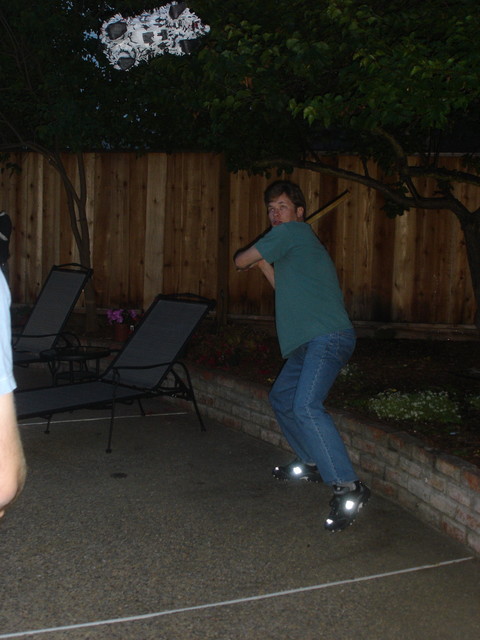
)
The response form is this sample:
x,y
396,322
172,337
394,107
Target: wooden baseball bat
x,y
328,207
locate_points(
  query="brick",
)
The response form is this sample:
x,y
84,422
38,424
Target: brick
x,y
228,382
261,419
472,478
260,394
243,412
476,504
345,422
448,466
429,514
469,519
437,482
396,477
367,477
363,445
376,433
460,494
412,468
385,429
424,456
260,406
354,456
230,395
233,423
205,400
273,425
453,530
228,421
385,488
251,429
420,489
391,458
443,504
373,465
224,406
473,541
407,500
404,442
203,374
272,438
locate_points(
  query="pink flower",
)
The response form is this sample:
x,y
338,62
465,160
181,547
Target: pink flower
x,y
122,316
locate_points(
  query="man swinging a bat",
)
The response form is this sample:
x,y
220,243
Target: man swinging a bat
x,y
317,339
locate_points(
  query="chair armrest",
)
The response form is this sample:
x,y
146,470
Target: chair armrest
x,y
70,339
144,366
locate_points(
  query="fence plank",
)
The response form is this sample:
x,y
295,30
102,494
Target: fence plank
x,y
154,226
137,212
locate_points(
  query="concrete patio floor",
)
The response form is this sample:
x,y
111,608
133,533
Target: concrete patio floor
x,y
183,535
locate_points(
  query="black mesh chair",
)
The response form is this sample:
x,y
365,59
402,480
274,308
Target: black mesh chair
x,y
56,301
148,365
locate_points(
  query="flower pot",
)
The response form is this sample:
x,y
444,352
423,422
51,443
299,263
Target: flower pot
x,y
121,332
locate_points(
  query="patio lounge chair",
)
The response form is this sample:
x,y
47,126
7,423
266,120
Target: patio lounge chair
x,y
146,366
47,320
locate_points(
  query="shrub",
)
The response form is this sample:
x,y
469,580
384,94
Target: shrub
x,y
349,371
474,402
230,346
427,406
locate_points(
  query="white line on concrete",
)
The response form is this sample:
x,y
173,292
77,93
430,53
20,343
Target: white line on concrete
x,y
148,415
226,603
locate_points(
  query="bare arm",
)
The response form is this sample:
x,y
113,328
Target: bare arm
x,y
267,270
247,258
251,257
12,460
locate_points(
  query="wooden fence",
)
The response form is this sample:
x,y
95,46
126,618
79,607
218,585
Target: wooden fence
x,y
170,223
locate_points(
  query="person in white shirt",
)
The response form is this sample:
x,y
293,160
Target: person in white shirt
x,y
12,459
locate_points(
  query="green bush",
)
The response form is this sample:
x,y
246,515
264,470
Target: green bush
x,y
418,406
474,402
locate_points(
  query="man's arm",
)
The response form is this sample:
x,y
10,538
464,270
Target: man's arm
x,y
12,460
267,270
247,258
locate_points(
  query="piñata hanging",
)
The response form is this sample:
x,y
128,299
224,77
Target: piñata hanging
x,y
172,29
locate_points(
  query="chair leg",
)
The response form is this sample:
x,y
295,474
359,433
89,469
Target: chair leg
x,y
110,430
191,394
112,420
47,429
142,410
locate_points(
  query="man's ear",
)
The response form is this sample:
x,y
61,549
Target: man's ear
x,y
300,213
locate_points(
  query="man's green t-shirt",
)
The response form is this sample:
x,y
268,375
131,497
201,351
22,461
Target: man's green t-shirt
x,y
308,298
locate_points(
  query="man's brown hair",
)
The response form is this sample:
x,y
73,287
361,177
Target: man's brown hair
x,y
290,189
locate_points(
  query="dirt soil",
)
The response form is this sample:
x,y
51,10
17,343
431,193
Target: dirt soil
x,y
378,364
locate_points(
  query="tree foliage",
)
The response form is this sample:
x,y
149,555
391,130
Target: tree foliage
x,y
383,80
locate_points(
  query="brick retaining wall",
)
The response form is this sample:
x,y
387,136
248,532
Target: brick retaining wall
x,y
441,490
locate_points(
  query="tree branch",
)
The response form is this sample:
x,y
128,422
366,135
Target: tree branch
x,y
17,50
444,175
388,191
402,163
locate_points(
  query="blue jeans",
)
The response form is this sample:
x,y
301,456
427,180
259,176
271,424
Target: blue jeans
x,y
297,399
